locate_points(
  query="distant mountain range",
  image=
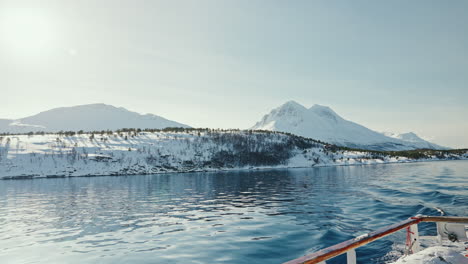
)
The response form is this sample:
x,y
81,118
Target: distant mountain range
x,y
412,137
88,117
322,123
317,122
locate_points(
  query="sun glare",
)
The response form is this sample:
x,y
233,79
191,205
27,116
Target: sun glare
x,y
26,32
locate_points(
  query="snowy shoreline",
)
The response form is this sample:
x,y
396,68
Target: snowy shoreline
x,y
36,176
144,153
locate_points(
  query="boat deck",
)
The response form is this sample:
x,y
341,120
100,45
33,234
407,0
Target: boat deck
x,y
435,252
448,247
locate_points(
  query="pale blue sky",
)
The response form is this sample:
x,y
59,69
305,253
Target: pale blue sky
x,y
389,65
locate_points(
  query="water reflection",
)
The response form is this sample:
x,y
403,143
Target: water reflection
x,y
229,217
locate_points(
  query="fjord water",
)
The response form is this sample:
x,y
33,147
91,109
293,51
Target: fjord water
x,y
266,216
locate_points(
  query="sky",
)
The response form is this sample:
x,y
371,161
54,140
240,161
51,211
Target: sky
x,y
395,66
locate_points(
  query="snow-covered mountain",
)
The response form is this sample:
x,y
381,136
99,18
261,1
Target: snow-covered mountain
x,y
413,138
322,123
89,117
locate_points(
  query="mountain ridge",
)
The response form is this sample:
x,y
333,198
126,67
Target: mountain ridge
x,y
412,137
323,123
97,116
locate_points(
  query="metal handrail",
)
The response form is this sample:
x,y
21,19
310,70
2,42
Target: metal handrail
x,y
350,245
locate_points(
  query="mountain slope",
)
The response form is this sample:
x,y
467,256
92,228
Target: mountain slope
x,y
413,138
88,118
322,123
179,150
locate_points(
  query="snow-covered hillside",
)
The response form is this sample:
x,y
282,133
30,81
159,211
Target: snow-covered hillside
x,y
322,123
127,153
89,117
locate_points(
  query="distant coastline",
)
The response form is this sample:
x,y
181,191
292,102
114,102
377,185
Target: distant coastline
x,y
182,150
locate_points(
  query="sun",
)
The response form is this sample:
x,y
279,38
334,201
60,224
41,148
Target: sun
x,y
26,32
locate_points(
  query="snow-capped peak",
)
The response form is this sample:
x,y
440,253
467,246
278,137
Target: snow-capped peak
x,y
410,136
322,123
321,108
413,138
291,113
290,107
325,112
292,104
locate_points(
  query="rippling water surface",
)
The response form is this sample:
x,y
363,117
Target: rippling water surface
x,y
230,217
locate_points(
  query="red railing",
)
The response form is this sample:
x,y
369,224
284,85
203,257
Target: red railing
x,y
349,245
